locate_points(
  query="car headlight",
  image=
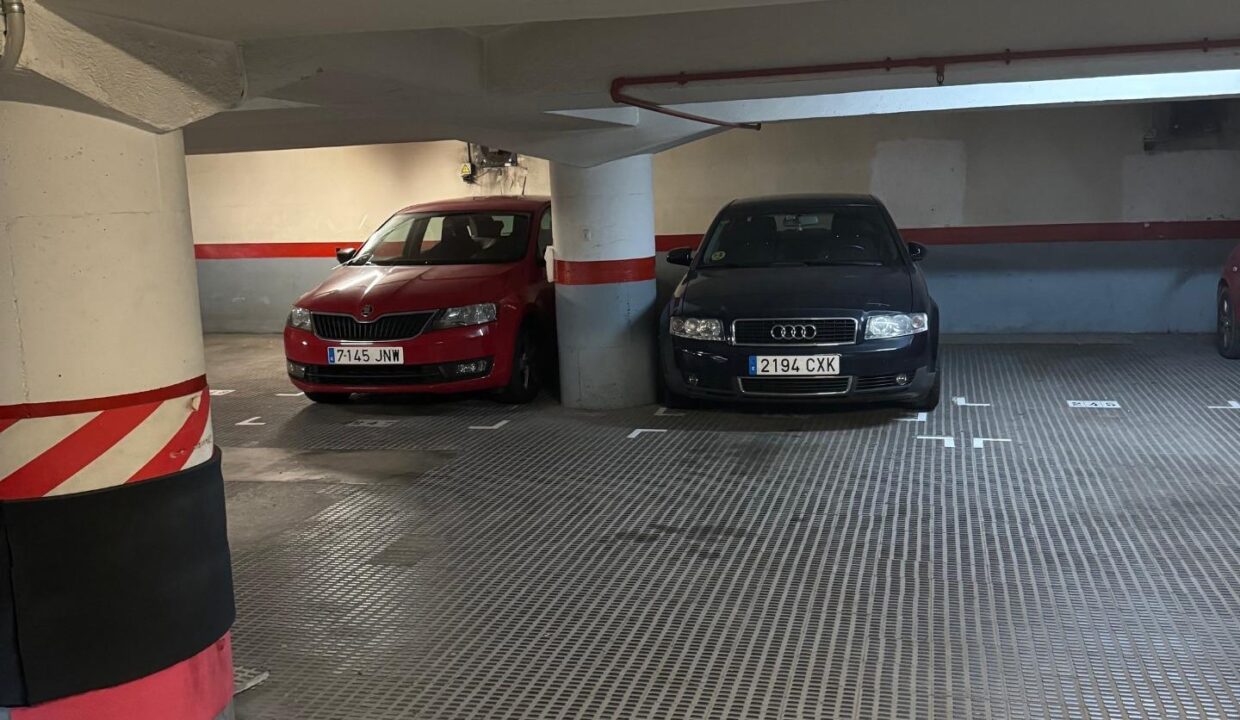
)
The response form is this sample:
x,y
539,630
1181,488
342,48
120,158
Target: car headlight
x,y
893,325
466,315
300,319
696,328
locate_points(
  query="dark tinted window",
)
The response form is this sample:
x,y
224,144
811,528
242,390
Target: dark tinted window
x,y
448,239
846,235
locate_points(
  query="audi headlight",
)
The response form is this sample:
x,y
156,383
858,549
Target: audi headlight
x,y
697,328
300,319
893,325
466,315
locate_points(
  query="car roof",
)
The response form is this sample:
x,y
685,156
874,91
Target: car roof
x,y
510,203
799,202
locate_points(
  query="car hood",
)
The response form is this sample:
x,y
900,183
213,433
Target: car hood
x,y
400,288
767,292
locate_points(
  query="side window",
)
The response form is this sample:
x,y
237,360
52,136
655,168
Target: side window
x,y
544,232
392,243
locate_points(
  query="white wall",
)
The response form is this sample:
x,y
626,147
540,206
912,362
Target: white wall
x,y
1046,166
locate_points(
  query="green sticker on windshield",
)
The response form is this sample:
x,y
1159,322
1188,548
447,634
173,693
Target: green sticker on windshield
x,y
717,255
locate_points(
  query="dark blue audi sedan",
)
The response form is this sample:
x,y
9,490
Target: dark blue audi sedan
x,y
808,298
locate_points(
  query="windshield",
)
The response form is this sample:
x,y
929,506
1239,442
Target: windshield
x,y
842,235
447,239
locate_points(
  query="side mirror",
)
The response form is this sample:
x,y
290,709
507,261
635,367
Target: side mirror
x,y
680,256
344,255
917,251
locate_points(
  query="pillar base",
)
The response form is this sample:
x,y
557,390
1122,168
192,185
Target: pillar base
x,y
607,344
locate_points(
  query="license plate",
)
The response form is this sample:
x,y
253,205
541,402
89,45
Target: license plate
x,y
794,364
365,355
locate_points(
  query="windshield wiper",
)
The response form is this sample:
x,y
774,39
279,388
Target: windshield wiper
x,y
865,263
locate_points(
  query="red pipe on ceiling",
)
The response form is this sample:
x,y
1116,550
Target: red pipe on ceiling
x,y
937,62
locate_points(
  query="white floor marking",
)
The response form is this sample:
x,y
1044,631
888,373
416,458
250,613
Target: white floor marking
x,y
639,431
496,426
296,394
964,402
1093,404
369,422
250,421
921,417
214,392
1231,405
664,412
979,443
948,442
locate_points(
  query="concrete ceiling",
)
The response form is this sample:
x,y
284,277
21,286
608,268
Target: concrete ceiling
x,y
533,75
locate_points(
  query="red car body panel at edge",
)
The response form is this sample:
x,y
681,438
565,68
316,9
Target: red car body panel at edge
x,y
523,297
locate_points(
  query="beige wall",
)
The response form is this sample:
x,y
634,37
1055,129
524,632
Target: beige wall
x,y
337,194
1008,167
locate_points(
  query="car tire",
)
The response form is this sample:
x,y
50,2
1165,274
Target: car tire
x,y
526,379
930,400
328,398
1227,337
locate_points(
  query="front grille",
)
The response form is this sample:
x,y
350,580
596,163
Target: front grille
x,y
826,331
876,382
389,327
378,375
837,385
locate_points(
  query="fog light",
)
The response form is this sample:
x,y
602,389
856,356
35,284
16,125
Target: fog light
x,y
692,379
473,367
297,370
901,379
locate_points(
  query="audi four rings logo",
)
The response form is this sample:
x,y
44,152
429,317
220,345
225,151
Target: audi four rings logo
x,y
794,332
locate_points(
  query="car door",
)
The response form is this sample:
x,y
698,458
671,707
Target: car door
x,y
542,291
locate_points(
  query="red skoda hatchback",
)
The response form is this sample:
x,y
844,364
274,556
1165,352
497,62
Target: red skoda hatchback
x,y
445,297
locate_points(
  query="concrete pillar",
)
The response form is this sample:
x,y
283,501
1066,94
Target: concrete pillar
x,y
115,584
603,220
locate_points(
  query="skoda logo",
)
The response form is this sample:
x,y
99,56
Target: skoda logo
x,y
794,332
367,310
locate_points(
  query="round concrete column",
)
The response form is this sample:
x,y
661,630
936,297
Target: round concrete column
x,y
605,286
115,585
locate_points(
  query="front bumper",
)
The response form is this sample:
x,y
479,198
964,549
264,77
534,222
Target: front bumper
x,y
869,371
432,362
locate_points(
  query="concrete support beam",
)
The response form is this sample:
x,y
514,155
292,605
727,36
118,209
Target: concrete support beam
x,y
147,76
605,286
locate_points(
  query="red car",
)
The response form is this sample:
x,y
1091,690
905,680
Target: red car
x,y
1228,302
444,297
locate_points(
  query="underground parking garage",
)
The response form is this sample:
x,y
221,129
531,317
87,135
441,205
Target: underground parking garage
x,y
620,362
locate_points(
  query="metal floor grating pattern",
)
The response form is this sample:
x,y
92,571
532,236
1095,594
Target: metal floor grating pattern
x,y
1080,563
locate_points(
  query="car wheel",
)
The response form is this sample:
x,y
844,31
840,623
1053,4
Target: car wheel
x,y
1227,338
328,397
930,400
525,381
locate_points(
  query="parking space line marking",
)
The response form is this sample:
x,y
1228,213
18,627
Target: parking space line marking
x,y
250,421
1231,405
964,402
948,441
1093,404
217,393
496,426
979,442
296,394
639,431
664,412
921,417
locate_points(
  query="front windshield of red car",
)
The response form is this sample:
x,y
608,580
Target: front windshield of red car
x,y
447,239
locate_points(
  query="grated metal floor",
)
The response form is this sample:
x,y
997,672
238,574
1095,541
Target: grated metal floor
x,y
1080,563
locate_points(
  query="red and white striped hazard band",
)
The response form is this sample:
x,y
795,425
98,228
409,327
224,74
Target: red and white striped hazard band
x,y
74,446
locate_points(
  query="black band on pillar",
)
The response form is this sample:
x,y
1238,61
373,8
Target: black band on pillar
x,y
105,587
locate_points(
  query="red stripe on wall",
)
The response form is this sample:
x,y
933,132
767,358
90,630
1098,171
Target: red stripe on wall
x,y
243,251
73,407
172,456
599,272
74,452
971,235
199,688
7,423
